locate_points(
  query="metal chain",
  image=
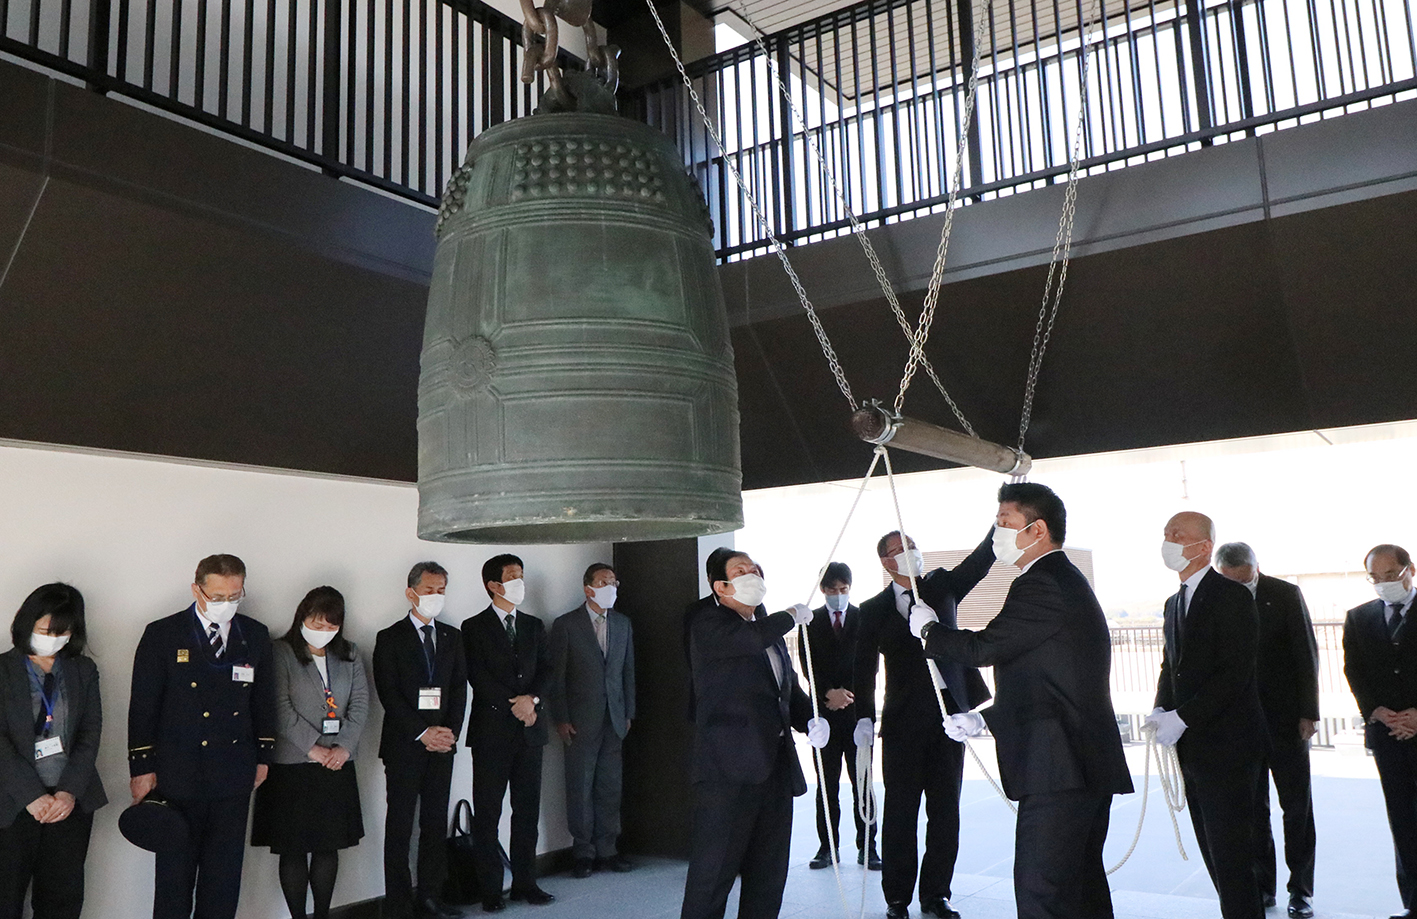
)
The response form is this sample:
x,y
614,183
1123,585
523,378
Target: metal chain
x,y
1062,248
857,229
542,43
778,248
932,293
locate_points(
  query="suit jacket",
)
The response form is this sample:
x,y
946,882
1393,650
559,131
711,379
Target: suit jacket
x,y
300,703
499,673
178,721
1287,666
744,718
586,684
833,660
19,780
1210,680
1379,671
1051,651
401,669
910,694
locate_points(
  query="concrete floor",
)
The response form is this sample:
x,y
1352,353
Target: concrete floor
x,y
1354,872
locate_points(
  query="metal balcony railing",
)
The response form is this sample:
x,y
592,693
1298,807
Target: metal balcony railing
x,y
880,86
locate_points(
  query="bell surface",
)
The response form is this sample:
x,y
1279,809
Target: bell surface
x,y
577,379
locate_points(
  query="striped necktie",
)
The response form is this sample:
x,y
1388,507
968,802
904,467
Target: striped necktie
x,y
214,639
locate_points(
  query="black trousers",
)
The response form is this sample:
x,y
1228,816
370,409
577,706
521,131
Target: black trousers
x,y
915,762
1058,869
1220,794
840,748
49,857
740,831
210,866
1289,762
417,783
1397,771
494,770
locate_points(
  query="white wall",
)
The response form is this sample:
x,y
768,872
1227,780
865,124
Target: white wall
x,y
128,532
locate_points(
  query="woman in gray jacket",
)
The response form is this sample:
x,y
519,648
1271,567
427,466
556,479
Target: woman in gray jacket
x,y
308,807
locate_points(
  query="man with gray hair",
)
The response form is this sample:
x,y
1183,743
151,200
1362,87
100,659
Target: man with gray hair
x,y
1287,671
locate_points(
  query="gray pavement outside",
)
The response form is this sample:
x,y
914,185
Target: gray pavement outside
x,y
1354,870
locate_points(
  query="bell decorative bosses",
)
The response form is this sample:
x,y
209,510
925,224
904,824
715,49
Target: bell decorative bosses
x,y
577,377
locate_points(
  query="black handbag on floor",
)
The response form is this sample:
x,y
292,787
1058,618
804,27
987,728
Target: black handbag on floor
x,y
461,886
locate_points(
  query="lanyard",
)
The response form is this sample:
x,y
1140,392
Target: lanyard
x,y
44,699
329,693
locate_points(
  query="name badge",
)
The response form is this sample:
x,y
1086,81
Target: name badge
x,y
330,726
49,747
243,673
430,697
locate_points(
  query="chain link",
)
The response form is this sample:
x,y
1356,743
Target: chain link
x,y
542,43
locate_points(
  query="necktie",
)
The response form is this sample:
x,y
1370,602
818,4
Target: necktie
x,y
836,622
1394,619
41,723
600,635
909,602
429,654
214,638
1176,627
511,623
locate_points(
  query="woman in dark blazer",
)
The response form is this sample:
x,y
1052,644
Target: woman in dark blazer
x,y
50,721
308,807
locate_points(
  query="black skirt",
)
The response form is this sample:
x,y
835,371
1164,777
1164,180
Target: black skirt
x,y
304,807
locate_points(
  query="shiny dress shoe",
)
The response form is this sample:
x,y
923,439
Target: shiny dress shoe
x,y
897,911
582,868
939,906
533,895
872,860
494,904
617,863
1269,901
1299,907
1405,914
437,909
823,859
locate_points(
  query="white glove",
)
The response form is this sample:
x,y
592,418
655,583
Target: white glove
x,y
920,616
801,614
865,733
818,732
965,724
1169,726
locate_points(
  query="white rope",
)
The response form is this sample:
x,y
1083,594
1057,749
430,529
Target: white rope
x,y
1173,789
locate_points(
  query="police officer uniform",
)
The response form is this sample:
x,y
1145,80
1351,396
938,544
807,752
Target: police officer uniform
x,y
202,719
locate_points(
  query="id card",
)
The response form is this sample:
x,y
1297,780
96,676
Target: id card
x,y
330,726
48,747
430,698
243,673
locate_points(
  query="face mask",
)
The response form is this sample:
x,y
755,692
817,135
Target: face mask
x,y
1173,555
430,605
910,563
221,613
316,638
749,589
838,602
1388,592
604,597
47,645
1006,549
514,591
1254,585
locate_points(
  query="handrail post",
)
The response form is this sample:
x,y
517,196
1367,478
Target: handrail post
x,y
789,191
1200,66
330,93
965,14
100,22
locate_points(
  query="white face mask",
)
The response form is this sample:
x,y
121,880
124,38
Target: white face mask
x,y
1391,591
317,638
1173,555
604,597
838,602
514,591
910,563
1006,547
221,613
749,589
47,645
1254,584
430,605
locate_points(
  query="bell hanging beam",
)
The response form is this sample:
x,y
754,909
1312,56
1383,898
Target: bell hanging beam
x,y
875,424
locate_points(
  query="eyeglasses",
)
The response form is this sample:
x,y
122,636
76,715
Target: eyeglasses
x,y
1384,578
235,598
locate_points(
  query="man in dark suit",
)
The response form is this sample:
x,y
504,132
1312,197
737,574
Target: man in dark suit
x,y
421,680
190,670
1208,707
1380,661
745,771
509,667
832,638
592,700
1060,754
1287,671
916,757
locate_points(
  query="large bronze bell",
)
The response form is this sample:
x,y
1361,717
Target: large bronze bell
x,y
577,376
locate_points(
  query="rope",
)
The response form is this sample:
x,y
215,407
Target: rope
x,y
1168,774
